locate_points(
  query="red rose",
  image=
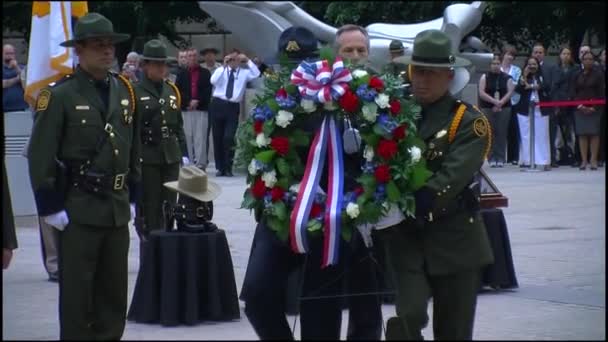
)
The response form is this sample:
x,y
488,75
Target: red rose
x,y
359,190
277,193
382,173
376,83
258,189
399,132
386,149
315,210
258,126
281,93
395,107
349,102
280,144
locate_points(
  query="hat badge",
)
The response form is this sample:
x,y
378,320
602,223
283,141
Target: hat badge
x,y
124,102
292,46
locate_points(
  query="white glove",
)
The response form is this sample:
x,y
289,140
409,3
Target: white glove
x,y
185,161
393,217
366,233
132,207
58,220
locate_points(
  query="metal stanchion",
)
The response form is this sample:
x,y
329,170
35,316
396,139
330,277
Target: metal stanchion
x,y
531,115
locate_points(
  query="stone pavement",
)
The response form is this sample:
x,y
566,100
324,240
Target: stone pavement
x,y
556,223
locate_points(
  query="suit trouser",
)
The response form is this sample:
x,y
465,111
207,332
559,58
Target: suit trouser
x,y
454,295
499,122
265,284
93,282
513,139
49,237
224,117
195,129
553,122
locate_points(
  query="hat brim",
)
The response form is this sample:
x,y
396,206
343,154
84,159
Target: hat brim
x,y
157,59
213,191
458,62
115,37
214,50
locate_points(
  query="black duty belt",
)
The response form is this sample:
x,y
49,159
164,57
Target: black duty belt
x,y
153,136
96,183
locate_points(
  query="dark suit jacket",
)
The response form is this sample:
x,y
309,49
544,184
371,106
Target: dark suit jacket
x,y
182,81
543,93
561,81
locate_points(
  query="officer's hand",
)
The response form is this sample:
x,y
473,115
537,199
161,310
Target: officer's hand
x,y
7,255
185,161
132,208
425,198
58,220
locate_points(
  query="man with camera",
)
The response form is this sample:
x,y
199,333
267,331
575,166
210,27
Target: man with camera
x,y
229,83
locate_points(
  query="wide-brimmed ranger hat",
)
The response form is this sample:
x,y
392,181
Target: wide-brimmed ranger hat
x,y
433,48
94,25
193,182
155,50
396,46
210,49
298,43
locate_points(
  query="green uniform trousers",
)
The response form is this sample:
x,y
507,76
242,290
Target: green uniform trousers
x,y
454,296
154,193
93,263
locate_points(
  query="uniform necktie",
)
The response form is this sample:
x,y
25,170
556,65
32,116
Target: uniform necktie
x,y
230,87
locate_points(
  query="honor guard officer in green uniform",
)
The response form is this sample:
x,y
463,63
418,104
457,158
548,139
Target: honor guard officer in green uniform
x,y
162,133
396,50
441,254
84,163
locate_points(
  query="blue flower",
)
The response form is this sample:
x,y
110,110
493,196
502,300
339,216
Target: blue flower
x,y
320,198
387,124
286,102
365,93
368,167
262,113
380,193
267,200
348,198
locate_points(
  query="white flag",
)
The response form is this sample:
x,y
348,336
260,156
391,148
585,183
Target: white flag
x,y
47,62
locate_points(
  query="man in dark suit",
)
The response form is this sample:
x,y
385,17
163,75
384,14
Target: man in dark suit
x,y
194,85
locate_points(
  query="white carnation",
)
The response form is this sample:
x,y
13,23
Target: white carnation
x,y
359,73
382,101
370,112
252,168
269,178
261,140
331,105
416,153
352,210
295,188
284,118
368,153
308,105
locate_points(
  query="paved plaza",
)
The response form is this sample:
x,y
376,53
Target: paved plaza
x,y
556,223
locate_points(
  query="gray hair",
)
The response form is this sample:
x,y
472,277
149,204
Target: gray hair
x,y
133,54
348,28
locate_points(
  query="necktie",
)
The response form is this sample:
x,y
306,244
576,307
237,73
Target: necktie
x,y
230,87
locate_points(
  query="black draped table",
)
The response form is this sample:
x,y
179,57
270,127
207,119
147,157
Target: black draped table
x,y
186,278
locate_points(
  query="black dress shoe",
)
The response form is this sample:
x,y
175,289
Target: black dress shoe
x,y
228,174
554,165
220,174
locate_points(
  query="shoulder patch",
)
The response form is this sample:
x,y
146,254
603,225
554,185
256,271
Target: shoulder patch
x,y
42,102
480,127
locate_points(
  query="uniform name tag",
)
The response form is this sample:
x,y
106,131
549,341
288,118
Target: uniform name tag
x,y
145,98
82,108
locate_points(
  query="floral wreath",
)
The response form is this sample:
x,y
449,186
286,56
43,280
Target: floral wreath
x,y
285,189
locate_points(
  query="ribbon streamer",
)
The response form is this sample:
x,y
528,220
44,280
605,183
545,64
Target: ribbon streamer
x,y
327,139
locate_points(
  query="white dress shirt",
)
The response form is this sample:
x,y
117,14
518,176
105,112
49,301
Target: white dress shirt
x,y
219,80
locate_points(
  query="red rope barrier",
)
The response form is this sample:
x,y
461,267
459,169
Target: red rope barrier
x,y
574,103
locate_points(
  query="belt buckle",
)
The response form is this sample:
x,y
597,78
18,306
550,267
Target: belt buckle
x,y
108,128
200,212
119,181
164,130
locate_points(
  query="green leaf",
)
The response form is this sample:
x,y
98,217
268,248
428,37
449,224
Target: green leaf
x,y
273,105
419,175
280,210
248,200
283,167
291,89
392,192
367,180
265,156
371,139
279,227
327,53
313,225
378,130
299,138
283,182
346,233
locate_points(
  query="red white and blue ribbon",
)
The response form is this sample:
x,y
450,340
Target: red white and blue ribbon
x,y
327,139
318,82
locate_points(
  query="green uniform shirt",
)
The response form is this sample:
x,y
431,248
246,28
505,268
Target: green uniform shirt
x,y
71,119
161,120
